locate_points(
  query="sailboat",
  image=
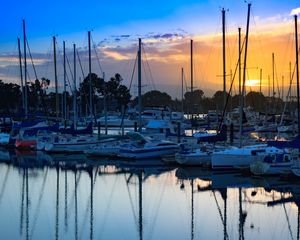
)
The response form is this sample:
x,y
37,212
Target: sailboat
x,y
237,157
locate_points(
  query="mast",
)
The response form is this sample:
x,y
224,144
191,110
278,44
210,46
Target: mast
x,y
192,81
65,78
55,77
140,84
75,89
244,70
224,58
90,74
240,92
297,73
182,89
25,71
21,74
273,78
240,82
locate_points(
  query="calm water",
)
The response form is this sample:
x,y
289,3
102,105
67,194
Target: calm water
x,y
71,197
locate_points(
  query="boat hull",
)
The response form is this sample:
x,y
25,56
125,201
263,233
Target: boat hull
x,y
143,153
193,159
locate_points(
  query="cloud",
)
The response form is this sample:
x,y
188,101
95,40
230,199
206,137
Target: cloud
x,y
13,59
295,11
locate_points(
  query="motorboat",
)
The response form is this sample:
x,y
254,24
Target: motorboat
x,y
141,147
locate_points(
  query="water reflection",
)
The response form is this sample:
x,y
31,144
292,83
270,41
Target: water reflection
x,y
69,196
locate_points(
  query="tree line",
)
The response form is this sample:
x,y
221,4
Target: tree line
x,y
113,95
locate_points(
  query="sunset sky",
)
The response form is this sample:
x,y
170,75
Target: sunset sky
x,y
166,28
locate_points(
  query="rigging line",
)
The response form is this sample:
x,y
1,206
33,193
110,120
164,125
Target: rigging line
x,y
106,213
85,94
211,47
22,203
159,206
151,76
81,68
259,40
88,206
228,49
132,75
4,183
35,217
227,98
72,76
278,88
146,76
31,59
185,83
288,221
96,53
72,201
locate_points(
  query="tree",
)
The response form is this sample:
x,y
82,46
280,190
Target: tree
x,y
193,101
156,98
113,90
218,98
116,91
10,96
37,93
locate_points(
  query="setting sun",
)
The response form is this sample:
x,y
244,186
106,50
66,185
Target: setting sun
x,y
252,83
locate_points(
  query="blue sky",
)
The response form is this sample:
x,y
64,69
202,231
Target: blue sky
x,y
70,18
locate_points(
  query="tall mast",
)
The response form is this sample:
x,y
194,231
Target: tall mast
x,y
65,78
21,74
240,75
192,80
273,78
291,81
240,92
90,74
55,77
25,71
297,72
245,64
182,89
224,58
140,83
75,89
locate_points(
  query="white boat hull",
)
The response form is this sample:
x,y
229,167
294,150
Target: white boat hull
x,y
69,147
229,161
193,158
142,153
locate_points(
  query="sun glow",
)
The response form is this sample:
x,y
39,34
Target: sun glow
x,y
252,83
